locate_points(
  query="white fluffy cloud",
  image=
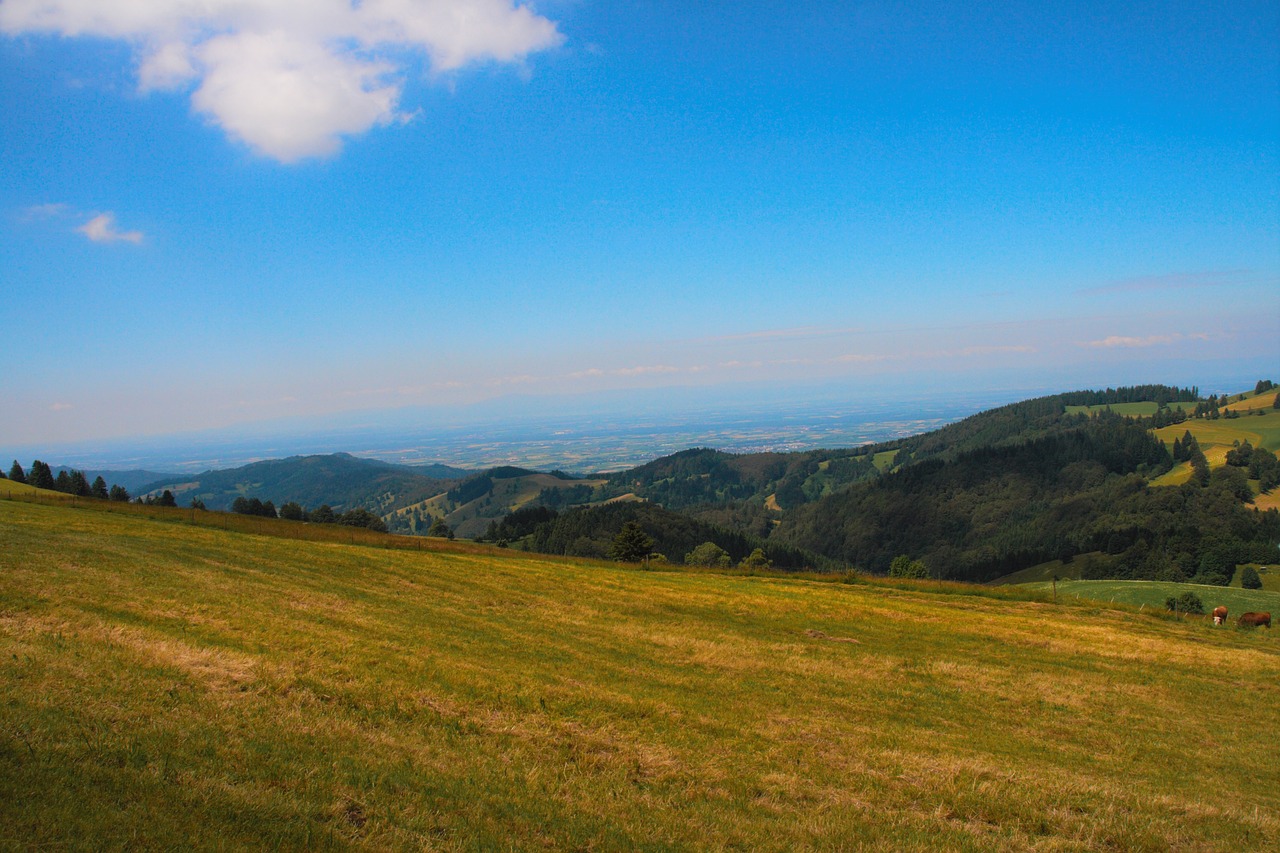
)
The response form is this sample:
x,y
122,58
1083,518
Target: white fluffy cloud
x,y
291,78
102,229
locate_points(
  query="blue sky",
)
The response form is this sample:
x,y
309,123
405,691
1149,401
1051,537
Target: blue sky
x,y
224,212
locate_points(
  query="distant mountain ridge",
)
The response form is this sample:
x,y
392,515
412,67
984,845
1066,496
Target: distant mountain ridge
x,y
340,480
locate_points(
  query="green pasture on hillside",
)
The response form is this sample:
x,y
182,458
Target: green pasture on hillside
x,y
1129,410
1153,594
884,459
1259,430
165,685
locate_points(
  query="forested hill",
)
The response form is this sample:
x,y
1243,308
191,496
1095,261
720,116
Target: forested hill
x,y
1070,485
340,480
704,481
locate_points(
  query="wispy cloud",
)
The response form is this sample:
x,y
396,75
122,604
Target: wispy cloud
x,y
991,349
782,334
643,369
102,229
858,358
291,78
1175,281
38,212
1131,342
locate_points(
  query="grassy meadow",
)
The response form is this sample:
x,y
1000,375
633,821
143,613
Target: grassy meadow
x,y
170,685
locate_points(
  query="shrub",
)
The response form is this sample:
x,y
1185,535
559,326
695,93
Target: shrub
x,y
708,554
1249,578
905,567
1188,602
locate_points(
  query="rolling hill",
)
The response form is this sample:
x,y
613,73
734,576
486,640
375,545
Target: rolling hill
x,y
171,686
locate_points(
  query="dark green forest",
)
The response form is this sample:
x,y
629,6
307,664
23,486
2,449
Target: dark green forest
x,y
591,531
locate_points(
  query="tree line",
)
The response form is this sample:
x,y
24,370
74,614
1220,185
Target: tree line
x,y
323,514
67,481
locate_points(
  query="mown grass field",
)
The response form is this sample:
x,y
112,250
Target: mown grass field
x,y
166,685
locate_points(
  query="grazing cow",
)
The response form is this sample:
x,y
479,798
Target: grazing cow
x,y
1219,615
1254,619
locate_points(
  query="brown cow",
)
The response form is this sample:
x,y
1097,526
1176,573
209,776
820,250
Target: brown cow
x,y
1219,615
1254,619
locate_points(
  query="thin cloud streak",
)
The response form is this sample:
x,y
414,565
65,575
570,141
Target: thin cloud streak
x,y
1176,281
1133,342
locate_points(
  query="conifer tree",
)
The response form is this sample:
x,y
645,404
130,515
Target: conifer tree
x,y
99,488
16,473
631,545
78,484
40,475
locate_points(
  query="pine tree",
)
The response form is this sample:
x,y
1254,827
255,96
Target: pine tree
x,y
78,484
631,545
40,475
99,488
16,473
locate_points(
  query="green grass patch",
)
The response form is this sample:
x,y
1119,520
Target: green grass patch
x,y
884,459
165,684
1130,410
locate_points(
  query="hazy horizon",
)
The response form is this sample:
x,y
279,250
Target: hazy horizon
x,y
237,215
579,434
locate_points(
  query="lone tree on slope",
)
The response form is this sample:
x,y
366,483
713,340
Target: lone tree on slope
x,y
631,545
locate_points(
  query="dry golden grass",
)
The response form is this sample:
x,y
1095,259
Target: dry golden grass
x,y
164,685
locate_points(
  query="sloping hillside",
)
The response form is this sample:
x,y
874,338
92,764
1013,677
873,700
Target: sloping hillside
x,y
164,686
470,506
